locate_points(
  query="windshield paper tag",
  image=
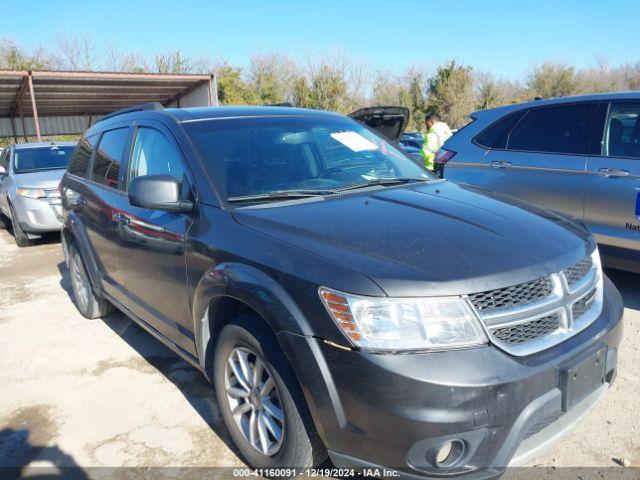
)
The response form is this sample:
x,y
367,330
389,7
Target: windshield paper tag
x,y
354,141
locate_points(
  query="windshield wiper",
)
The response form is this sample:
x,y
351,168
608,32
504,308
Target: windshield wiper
x,y
280,195
383,182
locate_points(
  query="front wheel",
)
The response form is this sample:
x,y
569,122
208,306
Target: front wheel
x,y
19,235
261,403
88,303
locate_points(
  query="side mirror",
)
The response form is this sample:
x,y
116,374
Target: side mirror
x,y
3,171
158,192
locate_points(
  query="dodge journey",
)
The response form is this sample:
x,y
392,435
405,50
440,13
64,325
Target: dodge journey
x,y
342,301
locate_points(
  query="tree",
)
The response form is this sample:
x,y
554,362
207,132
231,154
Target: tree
x,y
552,80
172,62
118,61
492,92
75,52
271,77
13,57
232,89
451,94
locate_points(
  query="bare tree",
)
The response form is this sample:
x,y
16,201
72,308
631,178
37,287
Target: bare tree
x,y
75,52
119,61
172,62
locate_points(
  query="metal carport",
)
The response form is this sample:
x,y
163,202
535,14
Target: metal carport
x,y
39,103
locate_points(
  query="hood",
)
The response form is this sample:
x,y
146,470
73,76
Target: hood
x,y
430,239
389,121
43,179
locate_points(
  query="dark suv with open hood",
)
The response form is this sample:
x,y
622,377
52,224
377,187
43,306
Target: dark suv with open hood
x,y
341,299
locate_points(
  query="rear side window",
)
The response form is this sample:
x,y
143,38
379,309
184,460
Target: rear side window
x,y
622,135
106,164
558,129
80,160
496,135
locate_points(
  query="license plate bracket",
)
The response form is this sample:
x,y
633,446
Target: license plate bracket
x,y
583,377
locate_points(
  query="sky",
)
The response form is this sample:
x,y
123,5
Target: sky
x,y
504,37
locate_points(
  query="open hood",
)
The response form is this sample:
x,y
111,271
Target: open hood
x,y
390,121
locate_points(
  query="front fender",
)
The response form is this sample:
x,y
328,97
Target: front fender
x,y
250,286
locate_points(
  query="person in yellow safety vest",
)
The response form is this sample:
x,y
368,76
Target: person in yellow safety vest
x,y
438,132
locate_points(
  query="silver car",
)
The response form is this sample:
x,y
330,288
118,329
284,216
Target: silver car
x,y
29,198
577,155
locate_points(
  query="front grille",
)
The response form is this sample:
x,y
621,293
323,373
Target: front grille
x,y
525,332
512,296
553,307
583,305
543,424
578,271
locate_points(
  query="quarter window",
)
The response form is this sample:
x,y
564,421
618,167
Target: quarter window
x,y
106,164
80,160
622,133
559,129
154,154
496,135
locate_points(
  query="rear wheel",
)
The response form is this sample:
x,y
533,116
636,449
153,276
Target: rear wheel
x,y
19,235
87,302
3,222
260,400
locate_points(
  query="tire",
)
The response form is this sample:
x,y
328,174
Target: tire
x,y
3,222
299,445
87,302
19,235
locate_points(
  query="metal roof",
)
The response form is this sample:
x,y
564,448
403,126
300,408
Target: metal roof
x,y
90,93
42,95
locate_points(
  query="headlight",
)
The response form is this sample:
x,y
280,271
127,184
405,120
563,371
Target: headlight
x,y
31,192
394,324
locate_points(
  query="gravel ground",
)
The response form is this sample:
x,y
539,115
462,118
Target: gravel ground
x,y
103,393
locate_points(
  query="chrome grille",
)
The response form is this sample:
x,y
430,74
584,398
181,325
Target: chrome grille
x,y
525,332
580,307
528,317
578,271
512,296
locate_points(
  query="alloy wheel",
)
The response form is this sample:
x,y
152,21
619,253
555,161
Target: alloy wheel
x,y
254,401
80,281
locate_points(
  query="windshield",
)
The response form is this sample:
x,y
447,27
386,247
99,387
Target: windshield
x,y
41,158
251,156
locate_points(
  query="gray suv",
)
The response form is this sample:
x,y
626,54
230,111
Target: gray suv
x,y
29,198
576,155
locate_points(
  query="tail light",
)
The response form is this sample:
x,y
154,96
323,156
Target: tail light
x,y
443,156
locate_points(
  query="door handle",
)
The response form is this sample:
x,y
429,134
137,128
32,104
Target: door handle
x,y
120,219
612,172
501,164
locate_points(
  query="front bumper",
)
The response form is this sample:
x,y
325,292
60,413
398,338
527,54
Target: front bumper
x,y
38,215
397,410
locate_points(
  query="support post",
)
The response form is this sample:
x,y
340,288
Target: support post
x,y
36,120
24,125
13,129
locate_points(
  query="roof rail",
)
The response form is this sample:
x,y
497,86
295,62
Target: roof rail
x,y
135,108
283,104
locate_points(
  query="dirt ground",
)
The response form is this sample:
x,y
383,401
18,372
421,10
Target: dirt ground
x,y
104,393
